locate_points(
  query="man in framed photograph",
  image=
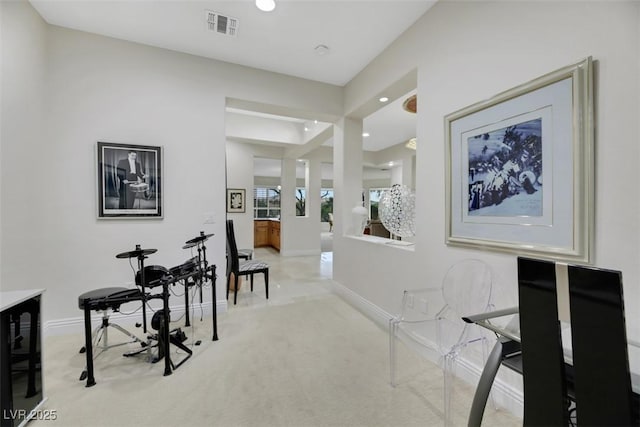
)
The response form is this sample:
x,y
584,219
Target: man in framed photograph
x,y
130,173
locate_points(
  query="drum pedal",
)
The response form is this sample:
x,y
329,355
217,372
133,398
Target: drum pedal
x,y
179,335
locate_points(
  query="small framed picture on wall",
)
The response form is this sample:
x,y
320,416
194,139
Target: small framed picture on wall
x,y
236,199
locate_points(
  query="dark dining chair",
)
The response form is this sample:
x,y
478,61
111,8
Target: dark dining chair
x,y
246,268
600,352
543,367
596,377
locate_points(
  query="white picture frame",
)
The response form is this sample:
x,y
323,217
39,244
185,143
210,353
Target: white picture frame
x,y
126,193
499,151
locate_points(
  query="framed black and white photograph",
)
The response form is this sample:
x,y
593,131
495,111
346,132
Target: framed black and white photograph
x,y
520,168
236,200
129,181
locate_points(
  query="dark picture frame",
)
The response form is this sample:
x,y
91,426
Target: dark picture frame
x,y
498,152
129,181
236,200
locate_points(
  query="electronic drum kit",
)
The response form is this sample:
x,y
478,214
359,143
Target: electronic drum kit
x,y
196,271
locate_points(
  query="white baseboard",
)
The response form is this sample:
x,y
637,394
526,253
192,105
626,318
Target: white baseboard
x,y
74,325
372,311
505,395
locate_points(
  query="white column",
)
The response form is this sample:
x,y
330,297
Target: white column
x,y
397,175
409,171
300,235
287,200
404,174
314,186
347,171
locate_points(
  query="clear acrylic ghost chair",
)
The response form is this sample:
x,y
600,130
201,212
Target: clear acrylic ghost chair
x,y
437,313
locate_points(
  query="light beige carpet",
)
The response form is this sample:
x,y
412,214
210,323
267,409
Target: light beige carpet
x,y
313,362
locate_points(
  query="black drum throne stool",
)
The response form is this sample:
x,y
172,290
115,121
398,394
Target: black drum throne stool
x,y
104,300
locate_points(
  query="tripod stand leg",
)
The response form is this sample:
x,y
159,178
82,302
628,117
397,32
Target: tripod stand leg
x,y
165,333
91,381
186,302
213,303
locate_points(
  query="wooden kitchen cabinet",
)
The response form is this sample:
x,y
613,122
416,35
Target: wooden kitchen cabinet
x,y
261,234
266,233
275,234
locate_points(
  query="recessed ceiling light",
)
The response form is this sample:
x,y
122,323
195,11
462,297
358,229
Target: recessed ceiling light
x,y
383,99
306,129
321,49
365,134
266,5
390,163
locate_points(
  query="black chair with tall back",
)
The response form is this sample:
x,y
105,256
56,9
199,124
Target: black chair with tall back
x,y
600,352
594,374
544,376
246,268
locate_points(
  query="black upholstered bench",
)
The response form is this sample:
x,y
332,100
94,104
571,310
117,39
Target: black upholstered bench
x,y
108,298
104,299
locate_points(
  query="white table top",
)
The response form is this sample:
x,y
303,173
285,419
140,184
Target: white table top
x,y
9,299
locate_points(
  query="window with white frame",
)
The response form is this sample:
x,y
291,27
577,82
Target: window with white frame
x,y
266,202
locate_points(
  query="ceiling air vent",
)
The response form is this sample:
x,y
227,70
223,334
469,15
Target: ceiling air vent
x,y
222,24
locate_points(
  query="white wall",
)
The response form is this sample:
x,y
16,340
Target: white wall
x,y
101,89
240,175
466,52
264,129
23,47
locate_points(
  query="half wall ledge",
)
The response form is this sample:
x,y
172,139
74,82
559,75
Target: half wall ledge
x,y
396,244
